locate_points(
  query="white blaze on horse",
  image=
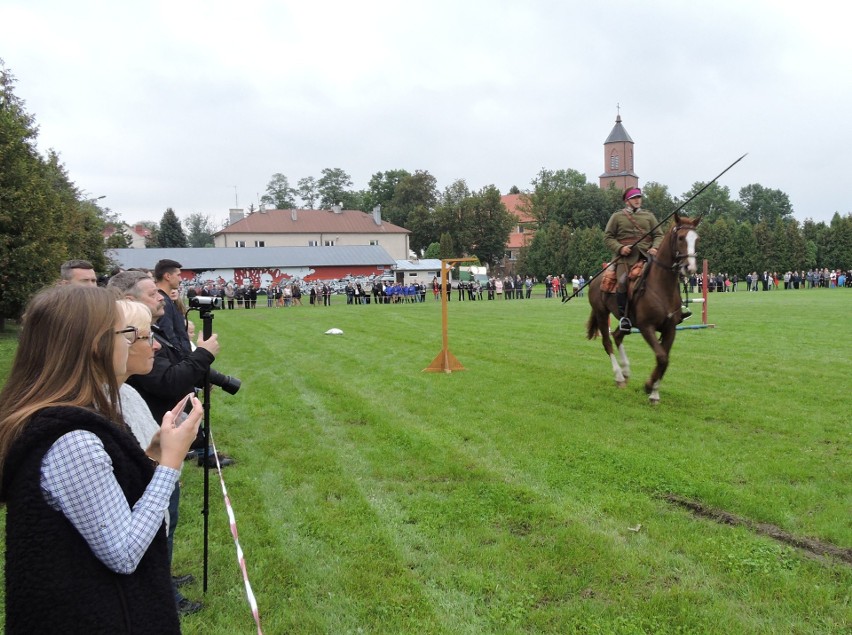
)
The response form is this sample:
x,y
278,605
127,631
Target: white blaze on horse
x,y
654,306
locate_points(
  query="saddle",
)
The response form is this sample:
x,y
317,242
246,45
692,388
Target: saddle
x,y
635,278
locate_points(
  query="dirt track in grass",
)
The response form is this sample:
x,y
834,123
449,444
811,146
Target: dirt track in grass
x,y
809,545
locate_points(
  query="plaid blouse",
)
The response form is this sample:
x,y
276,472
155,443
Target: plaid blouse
x,y
77,480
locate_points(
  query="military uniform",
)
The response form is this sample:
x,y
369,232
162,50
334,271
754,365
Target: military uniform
x,y
621,231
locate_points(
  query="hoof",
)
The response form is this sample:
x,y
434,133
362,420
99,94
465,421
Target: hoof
x,y
653,400
621,384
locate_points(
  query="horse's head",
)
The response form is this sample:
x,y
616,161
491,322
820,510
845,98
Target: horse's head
x,y
683,242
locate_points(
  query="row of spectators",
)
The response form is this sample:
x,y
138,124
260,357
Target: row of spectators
x,y
766,281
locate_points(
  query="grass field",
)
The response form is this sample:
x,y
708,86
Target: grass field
x,y
528,494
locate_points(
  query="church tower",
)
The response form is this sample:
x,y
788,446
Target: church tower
x,y
618,159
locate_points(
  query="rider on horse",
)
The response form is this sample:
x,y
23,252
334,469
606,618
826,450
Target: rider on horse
x,y
624,228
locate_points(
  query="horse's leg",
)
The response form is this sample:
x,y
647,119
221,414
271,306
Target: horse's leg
x,y
622,354
603,328
661,351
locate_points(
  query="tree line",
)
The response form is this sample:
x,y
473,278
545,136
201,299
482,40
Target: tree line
x,y
444,224
46,219
754,232
197,230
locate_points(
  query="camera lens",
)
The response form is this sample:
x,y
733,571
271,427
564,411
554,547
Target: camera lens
x,y
227,383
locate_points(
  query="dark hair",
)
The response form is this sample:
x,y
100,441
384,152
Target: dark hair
x,y
165,266
68,265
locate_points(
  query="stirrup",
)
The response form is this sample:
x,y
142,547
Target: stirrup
x,y
624,325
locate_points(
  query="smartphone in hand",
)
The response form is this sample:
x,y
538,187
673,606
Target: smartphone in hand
x,y
178,410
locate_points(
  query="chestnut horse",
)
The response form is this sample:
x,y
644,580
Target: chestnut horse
x,y
656,307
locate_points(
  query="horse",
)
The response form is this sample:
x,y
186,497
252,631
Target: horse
x,y
654,308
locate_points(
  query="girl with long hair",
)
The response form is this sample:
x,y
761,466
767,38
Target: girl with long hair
x,y
85,540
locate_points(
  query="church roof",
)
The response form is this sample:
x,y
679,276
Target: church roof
x,y
618,134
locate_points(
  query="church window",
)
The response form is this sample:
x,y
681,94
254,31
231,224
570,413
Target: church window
x,y
613,161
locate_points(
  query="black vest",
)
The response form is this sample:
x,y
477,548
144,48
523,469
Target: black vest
x,y
54,583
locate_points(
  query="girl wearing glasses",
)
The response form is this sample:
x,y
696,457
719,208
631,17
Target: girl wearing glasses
x,y
85,546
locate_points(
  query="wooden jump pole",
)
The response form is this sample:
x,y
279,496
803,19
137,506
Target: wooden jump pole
x,y
704,272
705,278
446,362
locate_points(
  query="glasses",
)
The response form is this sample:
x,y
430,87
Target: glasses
x,y
132,335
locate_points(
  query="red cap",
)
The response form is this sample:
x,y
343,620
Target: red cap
x,y
632,192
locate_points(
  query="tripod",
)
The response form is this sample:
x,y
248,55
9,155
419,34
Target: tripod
x,y
206,315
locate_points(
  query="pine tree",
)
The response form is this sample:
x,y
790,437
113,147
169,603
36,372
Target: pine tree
x,y
171,232
447,249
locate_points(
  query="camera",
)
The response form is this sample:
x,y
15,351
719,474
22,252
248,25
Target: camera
x,y
227,383
205,302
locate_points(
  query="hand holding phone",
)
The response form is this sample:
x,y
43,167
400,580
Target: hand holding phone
x,y
177,411
176,436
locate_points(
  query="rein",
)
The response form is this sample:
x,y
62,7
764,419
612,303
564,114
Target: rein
x,y
677,257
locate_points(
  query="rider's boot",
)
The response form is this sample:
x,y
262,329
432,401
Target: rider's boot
x,y
624,324
685,313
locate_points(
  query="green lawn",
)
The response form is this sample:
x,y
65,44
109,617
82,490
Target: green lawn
x,y
527,493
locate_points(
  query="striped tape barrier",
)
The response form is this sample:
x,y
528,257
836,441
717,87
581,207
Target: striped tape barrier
x,y
240,556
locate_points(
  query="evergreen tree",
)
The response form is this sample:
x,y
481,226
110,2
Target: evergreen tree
x,y
838,253
586,252
171,232
84,219
43,222
447,250
743,250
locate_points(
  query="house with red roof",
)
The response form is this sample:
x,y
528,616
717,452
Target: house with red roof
x,y
334,227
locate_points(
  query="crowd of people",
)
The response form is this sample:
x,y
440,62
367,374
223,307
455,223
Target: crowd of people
x,y
97,417
321,293
767,281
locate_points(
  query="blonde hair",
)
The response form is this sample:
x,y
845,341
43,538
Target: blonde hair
x,y
64,358
135,314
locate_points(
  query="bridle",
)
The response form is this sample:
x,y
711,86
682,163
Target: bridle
x,y
677,265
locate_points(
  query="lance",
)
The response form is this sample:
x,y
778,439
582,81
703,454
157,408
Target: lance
x,y
654,228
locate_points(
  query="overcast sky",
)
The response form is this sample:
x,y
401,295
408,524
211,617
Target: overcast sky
x,y
194,105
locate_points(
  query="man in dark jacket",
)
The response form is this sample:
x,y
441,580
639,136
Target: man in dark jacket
x,y
167,279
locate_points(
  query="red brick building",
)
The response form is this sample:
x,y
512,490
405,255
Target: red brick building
x,y
523,232
618,159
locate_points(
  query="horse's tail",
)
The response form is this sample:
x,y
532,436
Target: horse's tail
x,y
592,327
592,330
